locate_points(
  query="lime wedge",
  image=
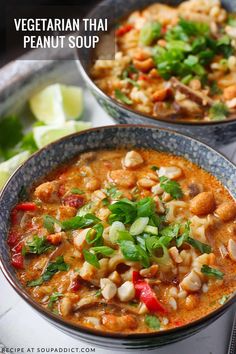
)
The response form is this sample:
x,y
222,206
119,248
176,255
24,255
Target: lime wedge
x,y
57,103
73,103
9,166
45,135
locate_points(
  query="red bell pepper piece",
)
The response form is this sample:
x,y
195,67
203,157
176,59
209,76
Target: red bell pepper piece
x,y
123,30
18,248
26,206
75,286
13,239
143,77
17,261
74,200
144,293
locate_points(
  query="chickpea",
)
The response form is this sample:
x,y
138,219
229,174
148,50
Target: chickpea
x,y
191,301
123,178
226,211
203,203
48,192
230,92
191,282
119,323
92,184
132,159
146,183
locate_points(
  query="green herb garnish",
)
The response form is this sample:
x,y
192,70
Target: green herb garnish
x,y
52,268
104,250
49,223
202,247
112,192
77,191
94,235
150,32
152,322
91,258
53,298
218,111
122,97
171,187
79,222
212,272
223,300
38,245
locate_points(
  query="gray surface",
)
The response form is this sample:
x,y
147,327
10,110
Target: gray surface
x,y
22,327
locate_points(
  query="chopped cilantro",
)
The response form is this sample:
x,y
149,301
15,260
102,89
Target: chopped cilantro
x,y
152,322
212,272
171,187
53,298
218,111
122,97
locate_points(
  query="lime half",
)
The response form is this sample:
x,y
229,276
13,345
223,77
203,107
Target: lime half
x,y
45,135
57,103
9,166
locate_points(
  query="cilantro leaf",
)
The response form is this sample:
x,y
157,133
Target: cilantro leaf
x,y
218,111
112,192
53,298
145,207
171,187
123,210
38,245
185,235
202,247
122,97
79,222
76,191
52,268
49,223
212,272
152,322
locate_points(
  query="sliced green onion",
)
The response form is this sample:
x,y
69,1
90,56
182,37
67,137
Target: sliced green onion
x,y
138,226
114,230
153,230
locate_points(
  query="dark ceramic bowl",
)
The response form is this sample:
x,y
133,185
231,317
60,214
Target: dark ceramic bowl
x,y
213,133
47,159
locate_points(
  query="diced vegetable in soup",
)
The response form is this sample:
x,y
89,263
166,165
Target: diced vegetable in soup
x,y
174,62
127,241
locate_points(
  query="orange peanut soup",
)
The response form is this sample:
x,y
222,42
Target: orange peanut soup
x,y
127,241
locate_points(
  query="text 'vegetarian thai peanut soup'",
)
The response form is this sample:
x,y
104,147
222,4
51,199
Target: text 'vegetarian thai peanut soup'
x,y
127,241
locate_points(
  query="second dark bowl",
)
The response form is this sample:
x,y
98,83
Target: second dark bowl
x,y
214,133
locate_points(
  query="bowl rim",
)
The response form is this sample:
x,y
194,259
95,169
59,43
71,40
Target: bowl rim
x,y
91,332
87,77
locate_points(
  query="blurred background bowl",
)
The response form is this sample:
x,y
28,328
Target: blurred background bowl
x,y
214,133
